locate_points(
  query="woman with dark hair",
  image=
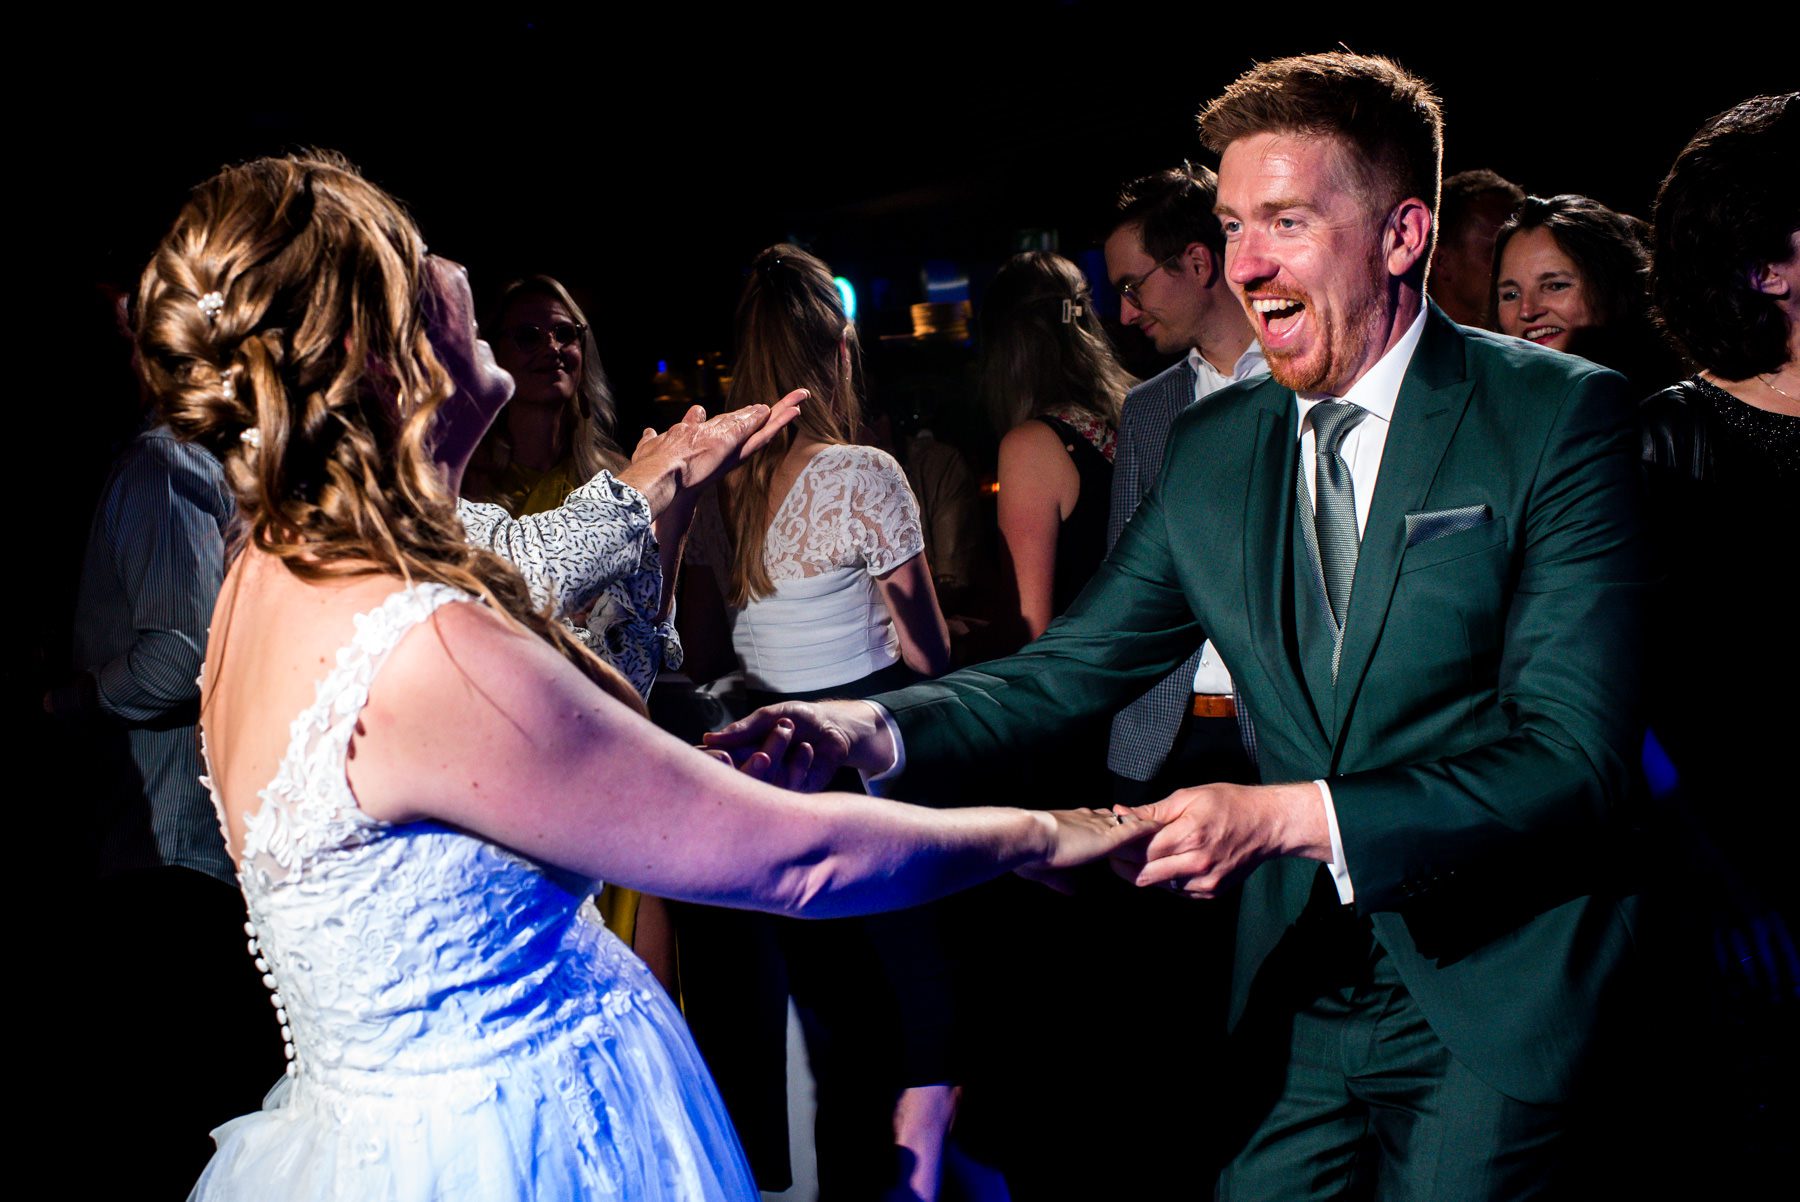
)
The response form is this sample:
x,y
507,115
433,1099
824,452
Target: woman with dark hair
x,y
416,847
1571,274
1722,459
1054,388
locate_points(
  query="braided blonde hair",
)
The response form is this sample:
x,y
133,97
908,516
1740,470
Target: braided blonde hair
x,y
283,325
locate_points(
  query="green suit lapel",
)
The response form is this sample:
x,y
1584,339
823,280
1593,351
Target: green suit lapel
x,y
1430,407
1269,559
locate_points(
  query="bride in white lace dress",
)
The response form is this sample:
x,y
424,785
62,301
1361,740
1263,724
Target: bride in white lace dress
x,y
421,776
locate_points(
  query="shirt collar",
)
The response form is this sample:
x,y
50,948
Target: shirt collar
x,y
1250,362
1379,389
1247,365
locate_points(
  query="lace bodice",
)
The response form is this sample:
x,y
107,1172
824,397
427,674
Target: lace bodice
x,y
850,507
359,922
437,989
849,517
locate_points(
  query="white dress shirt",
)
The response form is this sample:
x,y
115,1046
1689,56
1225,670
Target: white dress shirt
x,y
1209,379
1377,392
1211,676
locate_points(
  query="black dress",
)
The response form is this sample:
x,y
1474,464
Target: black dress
x,y
1081,540
1723,479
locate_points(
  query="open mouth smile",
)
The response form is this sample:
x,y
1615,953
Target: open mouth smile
x,y
1279,316
1543,333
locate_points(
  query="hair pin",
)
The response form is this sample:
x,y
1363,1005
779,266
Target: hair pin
x,y
211,303
252,438
1070,311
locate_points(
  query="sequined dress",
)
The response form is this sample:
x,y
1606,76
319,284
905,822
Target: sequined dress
x,y
460,1024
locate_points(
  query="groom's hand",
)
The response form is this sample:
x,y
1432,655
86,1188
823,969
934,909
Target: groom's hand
x,y
1213,835
806,742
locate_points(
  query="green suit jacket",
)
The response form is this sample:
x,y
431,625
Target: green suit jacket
x,y
1480,740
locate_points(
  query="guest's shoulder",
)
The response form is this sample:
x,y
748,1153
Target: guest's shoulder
x,y
1170,379
855,455
1488,353
857,461
156,468
159,446
1236,405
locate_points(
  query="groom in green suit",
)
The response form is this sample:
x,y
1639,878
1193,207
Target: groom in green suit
x,y
1418,547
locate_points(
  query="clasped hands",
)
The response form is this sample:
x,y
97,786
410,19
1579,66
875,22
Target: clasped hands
x,y
1198,841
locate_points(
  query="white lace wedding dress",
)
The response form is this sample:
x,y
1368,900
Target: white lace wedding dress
x,y
460,1023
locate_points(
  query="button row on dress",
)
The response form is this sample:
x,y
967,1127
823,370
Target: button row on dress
x,y
281,1014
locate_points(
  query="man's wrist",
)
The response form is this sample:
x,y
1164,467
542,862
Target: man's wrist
x,y
875,747
1306,830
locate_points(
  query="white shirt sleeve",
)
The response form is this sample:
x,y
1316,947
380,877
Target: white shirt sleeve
x,y
1340,871
872,781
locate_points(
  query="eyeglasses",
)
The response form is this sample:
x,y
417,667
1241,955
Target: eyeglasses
x,y
1130,291
529,338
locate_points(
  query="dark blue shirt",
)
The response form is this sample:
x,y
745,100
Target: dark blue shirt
x,y
155,560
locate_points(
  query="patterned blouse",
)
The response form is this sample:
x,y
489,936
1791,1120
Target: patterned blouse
x,y
594,561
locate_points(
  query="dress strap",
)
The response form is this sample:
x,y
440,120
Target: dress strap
x,y
308,806
344,690
1074,426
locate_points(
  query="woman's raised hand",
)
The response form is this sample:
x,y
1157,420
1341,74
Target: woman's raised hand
x,y
676,464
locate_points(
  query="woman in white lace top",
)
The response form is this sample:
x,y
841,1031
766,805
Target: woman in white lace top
x,y
418,816
829,594
828,581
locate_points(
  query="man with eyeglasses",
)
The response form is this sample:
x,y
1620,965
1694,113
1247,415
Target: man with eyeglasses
x,y
1166,257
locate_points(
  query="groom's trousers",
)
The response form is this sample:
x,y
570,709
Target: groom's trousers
x,y
1348,1093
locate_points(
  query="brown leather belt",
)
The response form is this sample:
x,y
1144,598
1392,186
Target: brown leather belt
x,y
1215,705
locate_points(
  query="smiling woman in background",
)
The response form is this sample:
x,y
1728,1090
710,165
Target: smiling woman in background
x,y
1572,275
557,431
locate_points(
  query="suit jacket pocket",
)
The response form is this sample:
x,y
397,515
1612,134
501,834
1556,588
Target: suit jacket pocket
x,y
1427,525
1446,547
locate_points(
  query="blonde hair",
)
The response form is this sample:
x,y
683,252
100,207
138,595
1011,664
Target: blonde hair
x,y
791,333
282,324
589,419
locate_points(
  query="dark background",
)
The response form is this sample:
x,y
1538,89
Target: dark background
x,y
644,154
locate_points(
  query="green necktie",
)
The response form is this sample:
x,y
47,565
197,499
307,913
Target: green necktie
x,y
1334,502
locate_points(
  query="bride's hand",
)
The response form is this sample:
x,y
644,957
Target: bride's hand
x,y
1080,837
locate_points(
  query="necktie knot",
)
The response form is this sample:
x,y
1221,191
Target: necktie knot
x,y
1332,422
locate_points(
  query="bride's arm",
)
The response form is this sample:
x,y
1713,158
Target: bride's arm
x,y
476,725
